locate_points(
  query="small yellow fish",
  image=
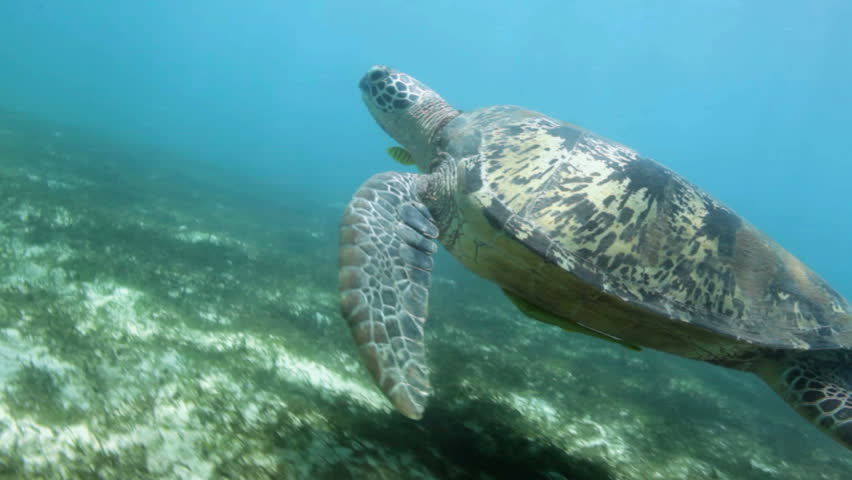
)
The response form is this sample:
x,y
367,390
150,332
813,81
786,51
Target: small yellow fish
x,y
401,155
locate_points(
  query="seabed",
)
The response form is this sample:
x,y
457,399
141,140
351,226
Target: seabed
x,y
161,320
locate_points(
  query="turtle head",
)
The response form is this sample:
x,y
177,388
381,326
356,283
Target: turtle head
x,y
409,111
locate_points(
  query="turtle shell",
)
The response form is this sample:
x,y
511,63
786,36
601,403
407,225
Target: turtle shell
x,y
588,229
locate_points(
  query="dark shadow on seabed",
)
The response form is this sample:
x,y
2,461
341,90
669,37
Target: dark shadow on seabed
x,y
462,441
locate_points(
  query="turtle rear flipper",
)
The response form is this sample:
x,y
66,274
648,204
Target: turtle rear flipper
x,y
818,385
386,253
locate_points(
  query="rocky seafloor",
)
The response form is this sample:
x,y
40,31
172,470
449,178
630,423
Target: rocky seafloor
x,y
157,322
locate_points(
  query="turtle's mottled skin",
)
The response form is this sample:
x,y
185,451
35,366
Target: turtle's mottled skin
x,y
590,233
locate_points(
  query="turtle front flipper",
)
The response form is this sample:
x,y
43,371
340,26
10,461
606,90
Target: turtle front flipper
x,y
818,385
386,253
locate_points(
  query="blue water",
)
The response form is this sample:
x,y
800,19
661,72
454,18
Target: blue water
x,y
748,99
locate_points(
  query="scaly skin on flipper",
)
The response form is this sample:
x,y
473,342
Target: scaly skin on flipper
x,y
386,252
818,385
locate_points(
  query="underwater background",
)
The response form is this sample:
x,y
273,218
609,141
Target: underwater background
x,y
172,176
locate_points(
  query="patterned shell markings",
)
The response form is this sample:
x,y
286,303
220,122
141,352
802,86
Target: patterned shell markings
x,y
648,236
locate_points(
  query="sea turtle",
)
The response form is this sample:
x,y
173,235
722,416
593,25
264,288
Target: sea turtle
x,y
584,233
